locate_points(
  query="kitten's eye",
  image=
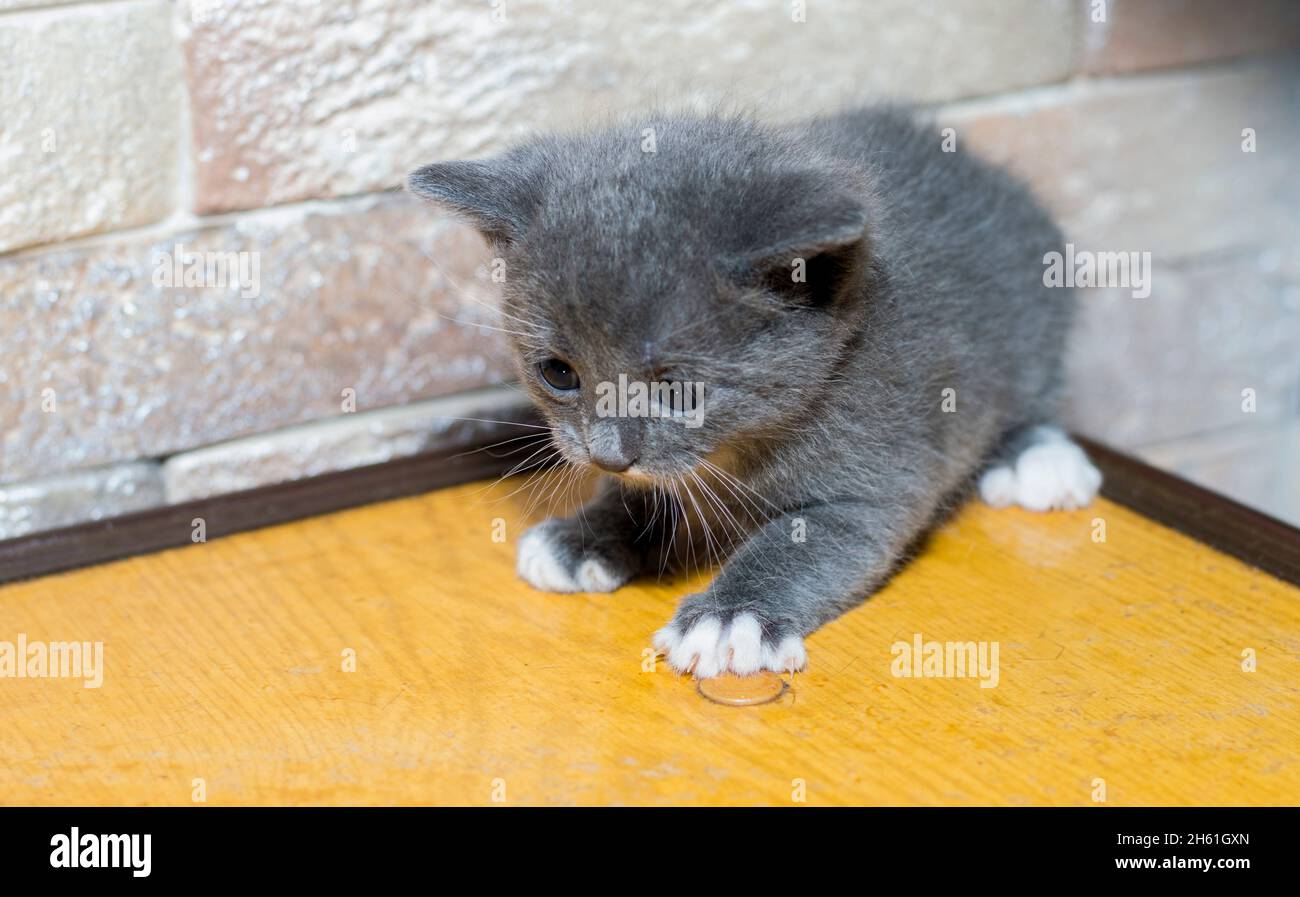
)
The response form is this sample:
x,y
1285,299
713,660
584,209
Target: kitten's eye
x,y
558,375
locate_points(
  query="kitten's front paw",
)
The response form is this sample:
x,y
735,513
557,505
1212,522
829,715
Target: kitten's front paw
x,y
553,557
710,644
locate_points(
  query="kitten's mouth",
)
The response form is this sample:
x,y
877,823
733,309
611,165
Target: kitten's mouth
x,y
637,474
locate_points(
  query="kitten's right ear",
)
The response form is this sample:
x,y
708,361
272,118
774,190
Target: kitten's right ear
x,y
495,195
808,250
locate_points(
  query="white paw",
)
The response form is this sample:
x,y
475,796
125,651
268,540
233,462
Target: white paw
x,y
788,656
710,649
540,564
540,561
1051,474
998,486
593,576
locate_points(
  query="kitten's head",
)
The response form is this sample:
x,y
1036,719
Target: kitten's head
x,y
710,254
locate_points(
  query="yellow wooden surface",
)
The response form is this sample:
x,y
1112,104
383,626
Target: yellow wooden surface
x,y
1119,661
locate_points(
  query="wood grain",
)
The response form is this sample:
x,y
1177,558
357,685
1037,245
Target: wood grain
x,y
1119,661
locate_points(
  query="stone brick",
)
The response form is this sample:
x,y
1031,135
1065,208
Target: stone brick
x,y
1148,34
379,295
1157,164
64,499
291,101
89,135
1148,370
341,443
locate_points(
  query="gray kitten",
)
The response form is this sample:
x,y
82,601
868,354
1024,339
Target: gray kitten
x,y
855,328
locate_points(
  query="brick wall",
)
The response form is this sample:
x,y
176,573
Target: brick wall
x,y
273,134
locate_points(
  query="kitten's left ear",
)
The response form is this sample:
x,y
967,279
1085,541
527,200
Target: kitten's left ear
x,y
808,251
498,196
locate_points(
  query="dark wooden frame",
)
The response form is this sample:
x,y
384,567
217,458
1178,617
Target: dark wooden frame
x,y
1216,520
1213,519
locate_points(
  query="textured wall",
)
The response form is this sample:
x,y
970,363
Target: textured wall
x,y
1156,165
323,99
367,296
90,99
275,130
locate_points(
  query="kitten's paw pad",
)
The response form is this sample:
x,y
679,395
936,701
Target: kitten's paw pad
x,y
546,560
1054,474
708,647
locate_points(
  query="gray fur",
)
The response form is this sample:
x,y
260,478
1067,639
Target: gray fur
x,y
823,399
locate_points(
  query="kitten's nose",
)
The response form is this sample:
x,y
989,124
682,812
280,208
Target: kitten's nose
x,y
614,462
614,444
